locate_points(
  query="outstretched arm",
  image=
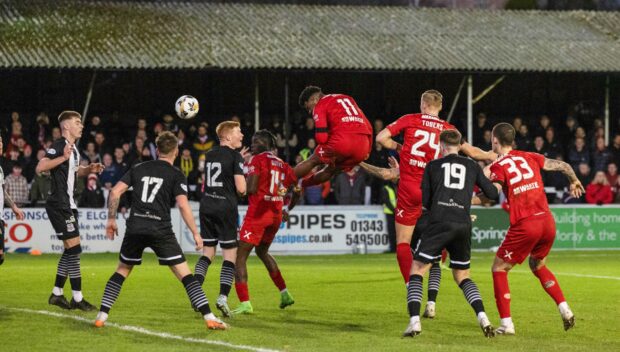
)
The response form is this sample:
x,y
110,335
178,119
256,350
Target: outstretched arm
x,y
477,153
385,139
576,188
381,172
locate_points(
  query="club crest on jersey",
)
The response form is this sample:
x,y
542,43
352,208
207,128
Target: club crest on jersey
x,y
51,151
399,212
508,255
247,235
184,187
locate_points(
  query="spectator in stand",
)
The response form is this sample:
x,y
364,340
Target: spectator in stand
x,y
41,130
539,146
169,124
584,173
580,132
185,163
543,123
485,143
41,184
91,130
91,153
616,185
482,125
148,144
578,154
278,130
568,133
92,197
111,174
306,131
599,191
100,143
612,174
183,141
16,135
517,122
600,156
615,149
309,149
29,163
599,132
377,126
16,185
119,160
316,195
80,183
350,187
56,133
203,143
555,179
523,139
554,148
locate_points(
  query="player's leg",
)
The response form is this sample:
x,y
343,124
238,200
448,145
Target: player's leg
x,y
323,175
241,278
547,280
305,167
408,210
209,243
227,275
72,252
501,290
112,291
434,274
195,293
414,296
58,218
262,251
404,254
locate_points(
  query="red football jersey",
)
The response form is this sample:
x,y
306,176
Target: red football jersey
x,y
273,174
421,142
338,114
519,174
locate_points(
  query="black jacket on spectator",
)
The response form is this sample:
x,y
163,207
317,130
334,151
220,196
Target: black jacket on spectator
x,y
92,198
575,158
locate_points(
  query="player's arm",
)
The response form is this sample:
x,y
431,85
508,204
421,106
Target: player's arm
x,y
252,184
52,159
240,185
113,199
490,190
381,172
385,139
477,153
9,201
576,188
95,168
188,217
321,129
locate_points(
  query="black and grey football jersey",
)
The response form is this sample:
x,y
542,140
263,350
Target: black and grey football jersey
x,y
155,184
63,176
448,185
221,165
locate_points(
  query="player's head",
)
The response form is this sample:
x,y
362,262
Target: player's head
x,y
450,141
503,136
263,141
70,124
229,133
431,102
167,145
309,97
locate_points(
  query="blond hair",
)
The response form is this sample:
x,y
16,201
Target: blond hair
x,y
432,98
225,127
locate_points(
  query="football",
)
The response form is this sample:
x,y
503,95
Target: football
x,y
186,107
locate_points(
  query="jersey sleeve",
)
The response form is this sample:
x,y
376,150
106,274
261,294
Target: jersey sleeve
x,y
397,126
127,178
538,158
321,130
56,150
485,184
254,166
180,185
497,174
238,164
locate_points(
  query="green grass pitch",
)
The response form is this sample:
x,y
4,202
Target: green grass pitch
x,y
343,303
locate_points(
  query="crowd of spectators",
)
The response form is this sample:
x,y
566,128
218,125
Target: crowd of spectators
x,y
120,144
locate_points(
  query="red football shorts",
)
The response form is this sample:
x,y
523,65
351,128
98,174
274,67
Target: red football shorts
x,y
260,230
533,236
408,204
345,151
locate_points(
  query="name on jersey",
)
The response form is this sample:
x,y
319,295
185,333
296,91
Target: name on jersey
x,y
526,187
433,124
352,119
418,163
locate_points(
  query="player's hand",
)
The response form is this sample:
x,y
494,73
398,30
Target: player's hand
x,y
198,241
96,168
245,153
111,229
284,215
66,153
19,214
393,162
576,189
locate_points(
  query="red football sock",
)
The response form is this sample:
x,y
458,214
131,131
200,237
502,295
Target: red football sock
x,y
277,279
502,293
444,255
405,259
550,284
242,291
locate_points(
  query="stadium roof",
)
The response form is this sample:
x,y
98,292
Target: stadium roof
x,y
172,35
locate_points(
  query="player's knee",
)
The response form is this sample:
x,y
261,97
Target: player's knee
x,y
535,264
75,250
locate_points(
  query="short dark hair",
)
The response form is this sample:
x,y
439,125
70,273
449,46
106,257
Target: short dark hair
x,y
166,142
267,137
68,114
307,93
450,137
505,133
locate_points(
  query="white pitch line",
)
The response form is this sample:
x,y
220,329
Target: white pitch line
x,y
141,330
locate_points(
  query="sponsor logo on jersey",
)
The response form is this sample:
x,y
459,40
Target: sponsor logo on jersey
x,y
51,151
184,187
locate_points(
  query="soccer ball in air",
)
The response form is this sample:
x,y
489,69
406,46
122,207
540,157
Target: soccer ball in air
x,y
186,107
